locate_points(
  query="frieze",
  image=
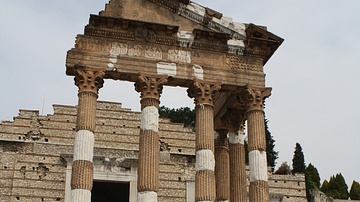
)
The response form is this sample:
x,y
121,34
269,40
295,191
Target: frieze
x,y
154,53
123,49
256,53
179,56
115,49
210,46
93,45
244,63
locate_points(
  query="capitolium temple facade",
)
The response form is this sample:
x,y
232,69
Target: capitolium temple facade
x,y
156,43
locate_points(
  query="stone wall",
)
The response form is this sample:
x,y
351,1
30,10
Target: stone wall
x,y
319,196
292,187
36,155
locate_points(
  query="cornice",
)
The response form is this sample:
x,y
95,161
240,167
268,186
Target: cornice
x,y
242,39
162,34
210,19
260,42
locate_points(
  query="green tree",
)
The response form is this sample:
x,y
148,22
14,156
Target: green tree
x,y
271,154
312,179
337,187
183,115
284,169
298,161
355,191
325,186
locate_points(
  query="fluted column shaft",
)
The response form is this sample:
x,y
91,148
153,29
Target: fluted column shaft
x,y
259,189
148,170
222,166
89,82
237,166
204,144
234,121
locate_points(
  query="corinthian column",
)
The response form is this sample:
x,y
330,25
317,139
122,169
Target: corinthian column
x,y
89,82
148,170
238,191
203,94
254,98
222,166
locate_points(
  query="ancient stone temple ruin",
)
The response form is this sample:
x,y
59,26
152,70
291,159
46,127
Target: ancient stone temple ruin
x,y
154,43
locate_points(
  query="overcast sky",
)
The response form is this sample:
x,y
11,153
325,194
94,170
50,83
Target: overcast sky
x,y
314,74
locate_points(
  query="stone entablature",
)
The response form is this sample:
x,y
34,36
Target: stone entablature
x,y
177,41
36,166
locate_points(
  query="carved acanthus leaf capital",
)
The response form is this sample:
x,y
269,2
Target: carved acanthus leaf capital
x,y
89,80
203,93
221,139
254,99
150,87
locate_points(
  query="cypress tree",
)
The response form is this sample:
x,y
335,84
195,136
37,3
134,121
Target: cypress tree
x,y
355,191
337,187
341,187
271,154
325,186
312,179
298,161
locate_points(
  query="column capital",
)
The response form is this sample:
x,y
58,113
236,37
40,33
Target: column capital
x,y
89,80
150,88
254,98
203,93
221,139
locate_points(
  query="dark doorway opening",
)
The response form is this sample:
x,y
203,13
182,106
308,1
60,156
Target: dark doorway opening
x,y
110,191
